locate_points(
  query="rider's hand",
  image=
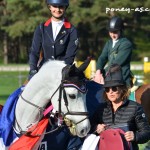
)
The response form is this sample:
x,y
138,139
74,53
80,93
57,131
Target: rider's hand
x,y
129,136
100,128
31,74
98,77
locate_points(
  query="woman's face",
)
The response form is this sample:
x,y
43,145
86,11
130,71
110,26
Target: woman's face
x,y
113,93
114,35
57,12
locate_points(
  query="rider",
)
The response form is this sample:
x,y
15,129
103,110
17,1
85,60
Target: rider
x,y
117,50
57,38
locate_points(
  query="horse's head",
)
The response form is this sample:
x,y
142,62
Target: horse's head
x,y
65,87
73,101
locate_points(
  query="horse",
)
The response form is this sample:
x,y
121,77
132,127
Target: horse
x,y
61,85
142,96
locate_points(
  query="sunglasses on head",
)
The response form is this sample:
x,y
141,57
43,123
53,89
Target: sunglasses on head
x,y
113,88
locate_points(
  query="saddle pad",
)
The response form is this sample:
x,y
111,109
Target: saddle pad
x,y
111,139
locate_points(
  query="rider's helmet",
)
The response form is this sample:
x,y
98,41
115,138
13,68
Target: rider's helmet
x,y
115,24
58,2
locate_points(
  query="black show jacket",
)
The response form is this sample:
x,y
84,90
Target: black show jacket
x,y
63,48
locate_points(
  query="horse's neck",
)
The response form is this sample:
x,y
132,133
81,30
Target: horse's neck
x,y
39,90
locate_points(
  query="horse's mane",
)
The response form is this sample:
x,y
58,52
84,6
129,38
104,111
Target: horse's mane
x,y
51,68
49,74
52,65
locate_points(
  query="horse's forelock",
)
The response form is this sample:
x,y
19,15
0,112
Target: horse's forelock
x,y
72,75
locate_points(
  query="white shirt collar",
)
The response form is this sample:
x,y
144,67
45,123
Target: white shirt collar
x,y
114,42
56,26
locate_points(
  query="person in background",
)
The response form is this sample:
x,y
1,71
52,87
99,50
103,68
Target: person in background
x,y
118,109
57,38
117,50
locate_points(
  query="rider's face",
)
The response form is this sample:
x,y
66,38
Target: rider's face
x,y
57,12
114,35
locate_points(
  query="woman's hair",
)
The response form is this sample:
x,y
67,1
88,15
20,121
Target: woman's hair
x,y
123,90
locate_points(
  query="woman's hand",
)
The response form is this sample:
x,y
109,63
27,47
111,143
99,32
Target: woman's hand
x,y
129,136
100,128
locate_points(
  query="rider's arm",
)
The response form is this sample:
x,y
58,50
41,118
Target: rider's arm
x,y
103,58
35,49
72,46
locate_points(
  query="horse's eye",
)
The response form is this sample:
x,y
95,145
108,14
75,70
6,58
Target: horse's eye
x,y
72,96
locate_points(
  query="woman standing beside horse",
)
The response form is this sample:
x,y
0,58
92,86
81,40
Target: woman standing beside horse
x,y
118,110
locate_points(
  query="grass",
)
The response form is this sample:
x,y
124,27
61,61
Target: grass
x,y
142,146
9,82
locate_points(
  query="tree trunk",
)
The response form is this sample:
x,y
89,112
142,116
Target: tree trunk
x,y
5,42
5,48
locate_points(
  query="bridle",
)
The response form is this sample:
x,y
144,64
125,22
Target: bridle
x,y
62,93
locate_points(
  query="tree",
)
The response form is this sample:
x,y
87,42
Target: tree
x,y
90,18
3,21
22,17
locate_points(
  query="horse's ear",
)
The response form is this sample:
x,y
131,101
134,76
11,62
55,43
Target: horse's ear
x,y
85,64
72,68
68,71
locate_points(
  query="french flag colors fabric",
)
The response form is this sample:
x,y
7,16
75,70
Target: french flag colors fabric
x,y
8,138
7,134
33,141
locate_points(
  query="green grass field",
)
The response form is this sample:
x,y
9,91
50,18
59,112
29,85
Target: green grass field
x,y
9,82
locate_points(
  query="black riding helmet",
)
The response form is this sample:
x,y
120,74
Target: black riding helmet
x,y
58,2
115,24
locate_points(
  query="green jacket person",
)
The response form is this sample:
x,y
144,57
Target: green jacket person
x,y
117,50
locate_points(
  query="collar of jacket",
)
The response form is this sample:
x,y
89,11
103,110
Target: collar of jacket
x,y
125,102
67,24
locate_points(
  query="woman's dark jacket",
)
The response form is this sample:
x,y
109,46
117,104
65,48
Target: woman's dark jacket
x,y
130,113
63,48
